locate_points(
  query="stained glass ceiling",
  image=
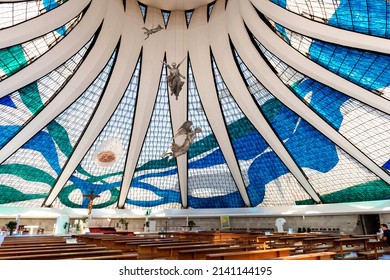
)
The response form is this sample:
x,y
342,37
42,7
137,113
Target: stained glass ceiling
x,y
278,103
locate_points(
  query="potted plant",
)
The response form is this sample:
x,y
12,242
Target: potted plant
x,y
146,226
191,224
125,223
11,226
66,227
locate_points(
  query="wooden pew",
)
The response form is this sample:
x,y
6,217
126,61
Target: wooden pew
x,y
210,236
371,254
309,256
133,256
315,244
172,252
60,255
117,242
110,242
32,242
200,254
295,240
132,245
108,239
42,245
345,245
32,237
251,255
151,250
29,238
54,248
375,249
47,251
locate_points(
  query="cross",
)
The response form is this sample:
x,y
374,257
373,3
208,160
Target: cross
x,y
91,197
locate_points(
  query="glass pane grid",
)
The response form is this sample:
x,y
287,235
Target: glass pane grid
x,y
364,126
165,15
266,177
156,187
104,180
210,183
283,191
39,162
366,69
15,13
78,115
367,16
20,106
348,169
14,58
189,16
317,155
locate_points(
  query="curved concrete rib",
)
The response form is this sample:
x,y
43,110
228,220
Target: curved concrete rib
x,y
121,74
42,24
65,49
265,75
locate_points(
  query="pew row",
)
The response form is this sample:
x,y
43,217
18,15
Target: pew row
x,y
132,256
251,255
66,255
309,256
200,254
49,251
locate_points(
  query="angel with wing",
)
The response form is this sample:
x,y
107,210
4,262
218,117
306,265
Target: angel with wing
x,y
174,78
186,132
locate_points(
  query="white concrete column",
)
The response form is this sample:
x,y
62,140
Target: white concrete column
x,y
61,220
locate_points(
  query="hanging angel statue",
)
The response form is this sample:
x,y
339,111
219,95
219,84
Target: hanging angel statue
x,y
180,149
151,31
174,78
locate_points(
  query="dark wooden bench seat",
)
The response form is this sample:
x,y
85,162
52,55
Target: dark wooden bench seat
x,y
317,249
345,246
60,255
318,244
172,251
309,256
251,255
33,237
47,251
345,252
371,254
41,245
15,243
132,245
374,249
154,249
113,241
54,248
200,254
132,256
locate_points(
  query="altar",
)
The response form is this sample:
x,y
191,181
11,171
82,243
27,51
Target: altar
x,y
31,229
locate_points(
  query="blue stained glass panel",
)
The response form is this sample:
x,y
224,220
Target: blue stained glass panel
x,y
157,186
210,183
267,179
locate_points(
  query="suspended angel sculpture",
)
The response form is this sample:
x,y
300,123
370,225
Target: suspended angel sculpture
x,y
149,32
174,78
180,149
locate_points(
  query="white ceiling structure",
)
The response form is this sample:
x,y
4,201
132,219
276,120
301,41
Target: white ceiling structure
x,y
292,99
176,5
